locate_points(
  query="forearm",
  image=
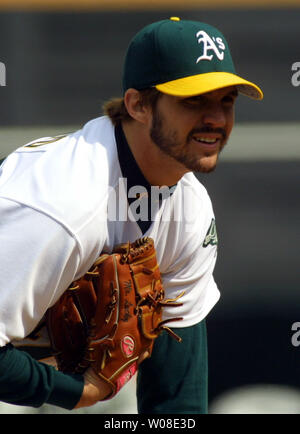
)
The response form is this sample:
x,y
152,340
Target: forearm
x,y
25,381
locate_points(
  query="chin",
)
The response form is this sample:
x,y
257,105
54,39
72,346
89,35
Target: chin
x,y
203,168
207,169
206,164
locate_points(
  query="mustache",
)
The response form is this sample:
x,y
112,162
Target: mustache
x,y
208,129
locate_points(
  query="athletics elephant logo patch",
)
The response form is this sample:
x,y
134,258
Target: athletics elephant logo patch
x,y
211,236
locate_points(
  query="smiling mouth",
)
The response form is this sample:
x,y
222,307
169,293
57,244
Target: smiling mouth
x,y
208,137
206,140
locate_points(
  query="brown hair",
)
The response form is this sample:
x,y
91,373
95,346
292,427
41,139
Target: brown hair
x,y
116,109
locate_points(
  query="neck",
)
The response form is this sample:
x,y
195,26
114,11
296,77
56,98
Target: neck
x,y
158,168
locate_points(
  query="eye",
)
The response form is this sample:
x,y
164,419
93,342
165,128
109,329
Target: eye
x,y
230,98
194,101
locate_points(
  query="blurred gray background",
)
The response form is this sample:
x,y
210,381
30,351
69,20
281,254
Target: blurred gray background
x,y
62,66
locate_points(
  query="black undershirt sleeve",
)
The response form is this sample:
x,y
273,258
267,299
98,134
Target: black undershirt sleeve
x,y
27,382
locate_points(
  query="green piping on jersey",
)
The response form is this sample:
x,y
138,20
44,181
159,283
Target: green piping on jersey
x,y
45,142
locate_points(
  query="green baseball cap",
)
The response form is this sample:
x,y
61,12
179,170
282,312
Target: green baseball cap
x,y
182,58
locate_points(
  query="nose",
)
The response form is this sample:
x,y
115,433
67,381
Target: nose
x,y
214,116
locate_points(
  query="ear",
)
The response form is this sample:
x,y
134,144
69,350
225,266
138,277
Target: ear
x,y
135,107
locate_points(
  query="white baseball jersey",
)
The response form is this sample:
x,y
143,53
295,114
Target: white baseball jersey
x,y
63,201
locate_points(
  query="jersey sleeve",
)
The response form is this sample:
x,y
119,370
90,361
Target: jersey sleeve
x,y
187,252
34,251
39,260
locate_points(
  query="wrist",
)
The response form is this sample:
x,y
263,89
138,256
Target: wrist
x,y
95,389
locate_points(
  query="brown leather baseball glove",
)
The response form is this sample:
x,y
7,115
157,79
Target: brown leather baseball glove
x,y
109,318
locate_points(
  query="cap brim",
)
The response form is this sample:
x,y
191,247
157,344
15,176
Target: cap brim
x,y
208,82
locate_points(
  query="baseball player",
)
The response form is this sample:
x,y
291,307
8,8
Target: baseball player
x,y
127,174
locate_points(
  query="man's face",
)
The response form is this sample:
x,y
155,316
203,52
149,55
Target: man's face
x,y
194,130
